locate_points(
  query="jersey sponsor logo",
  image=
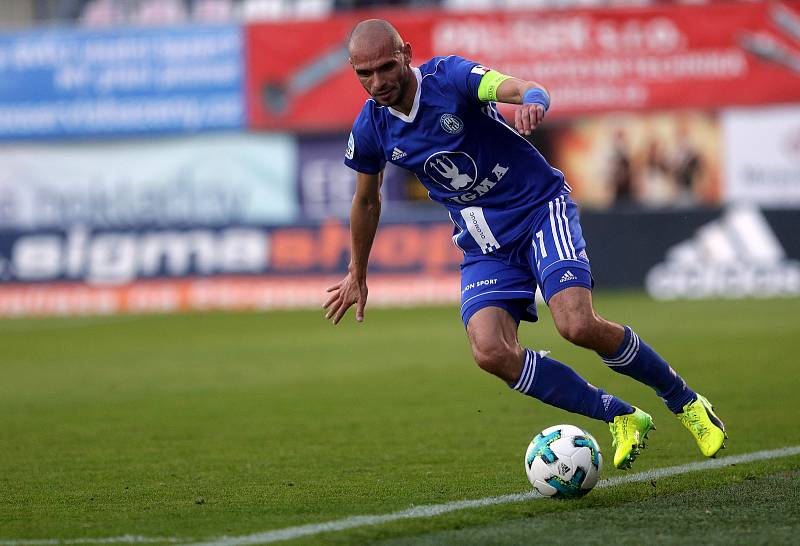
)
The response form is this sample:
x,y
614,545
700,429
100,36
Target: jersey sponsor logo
x,y
479,284
451,123
351,147
478,227
737,255
452,170
397,153
483,187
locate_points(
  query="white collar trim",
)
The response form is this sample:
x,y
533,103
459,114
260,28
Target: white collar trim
x,y
413,114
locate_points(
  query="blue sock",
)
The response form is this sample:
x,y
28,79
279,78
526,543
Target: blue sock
x,y
557,384
636,359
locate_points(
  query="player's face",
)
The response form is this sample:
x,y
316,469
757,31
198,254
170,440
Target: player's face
x,y
383,73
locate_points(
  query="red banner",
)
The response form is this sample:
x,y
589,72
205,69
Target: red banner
x,y
219,293
591,60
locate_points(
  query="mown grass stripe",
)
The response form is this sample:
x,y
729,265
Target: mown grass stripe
x,y
425,511
437,509
123,539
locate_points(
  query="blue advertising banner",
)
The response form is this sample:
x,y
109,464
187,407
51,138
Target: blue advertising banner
x,y
78,83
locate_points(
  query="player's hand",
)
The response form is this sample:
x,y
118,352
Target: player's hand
x,y
344,294
528,117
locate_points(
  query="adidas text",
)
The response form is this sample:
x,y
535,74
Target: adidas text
x,y
568,276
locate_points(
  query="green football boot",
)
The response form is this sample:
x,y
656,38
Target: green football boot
x,y
707,429
629,432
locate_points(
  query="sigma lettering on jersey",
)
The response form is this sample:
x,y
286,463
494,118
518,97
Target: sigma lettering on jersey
x,y
488,189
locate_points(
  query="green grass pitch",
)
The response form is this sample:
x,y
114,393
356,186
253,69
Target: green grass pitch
x,y
194,427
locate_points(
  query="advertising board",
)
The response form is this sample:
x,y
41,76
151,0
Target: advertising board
x,y
77,271
591,60
762,156
61,83
192,180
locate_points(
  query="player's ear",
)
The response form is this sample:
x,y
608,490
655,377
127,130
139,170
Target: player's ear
x,y
407,53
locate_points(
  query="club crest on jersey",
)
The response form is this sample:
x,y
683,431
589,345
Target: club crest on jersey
x,y
451,123
454,171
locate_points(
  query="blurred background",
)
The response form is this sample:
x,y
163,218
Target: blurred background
x,y
173,155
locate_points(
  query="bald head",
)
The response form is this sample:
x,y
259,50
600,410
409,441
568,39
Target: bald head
x,y
374,35
382,63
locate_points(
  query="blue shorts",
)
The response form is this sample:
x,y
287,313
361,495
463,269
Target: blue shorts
x,y
553,257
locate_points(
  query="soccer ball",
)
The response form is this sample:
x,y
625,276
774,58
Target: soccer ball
x,y
563,461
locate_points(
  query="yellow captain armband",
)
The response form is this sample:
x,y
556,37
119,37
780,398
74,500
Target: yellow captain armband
x,y
487,90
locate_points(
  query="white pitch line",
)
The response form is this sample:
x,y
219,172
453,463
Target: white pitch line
x,y
431,510
425,511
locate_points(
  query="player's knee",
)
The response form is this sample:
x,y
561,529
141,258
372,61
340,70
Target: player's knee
x,y
497,358
580,329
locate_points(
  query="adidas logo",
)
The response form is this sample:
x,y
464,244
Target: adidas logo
x,y
568,276
397,153
737,255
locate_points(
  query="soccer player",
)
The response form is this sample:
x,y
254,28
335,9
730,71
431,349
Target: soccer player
x,y
515,223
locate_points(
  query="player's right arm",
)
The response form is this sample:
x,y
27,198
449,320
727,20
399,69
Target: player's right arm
x,y
364,217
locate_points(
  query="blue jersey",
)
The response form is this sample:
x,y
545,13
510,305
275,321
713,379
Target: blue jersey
x,y
489,177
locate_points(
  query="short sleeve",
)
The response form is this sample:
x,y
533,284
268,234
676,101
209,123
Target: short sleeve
x,y
465,76
363,152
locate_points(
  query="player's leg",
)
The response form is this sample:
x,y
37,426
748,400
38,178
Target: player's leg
x,y
495,296
492,332
563,272
619,347
626,353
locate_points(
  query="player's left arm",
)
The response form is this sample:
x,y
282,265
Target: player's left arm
x,y
533,98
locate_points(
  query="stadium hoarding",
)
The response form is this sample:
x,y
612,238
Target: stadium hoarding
x,y
738,251
599,60
325,185
762,156
222,293
735,255
189,180
676,254
654,160
82,270
62,83
298,75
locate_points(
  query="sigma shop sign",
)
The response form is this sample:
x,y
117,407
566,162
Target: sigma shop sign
x,y
119,257
737,255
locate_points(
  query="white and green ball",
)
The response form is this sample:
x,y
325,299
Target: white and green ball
x,y
563,461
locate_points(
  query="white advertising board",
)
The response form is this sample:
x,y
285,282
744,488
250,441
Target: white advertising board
x,y
205,179
762,156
